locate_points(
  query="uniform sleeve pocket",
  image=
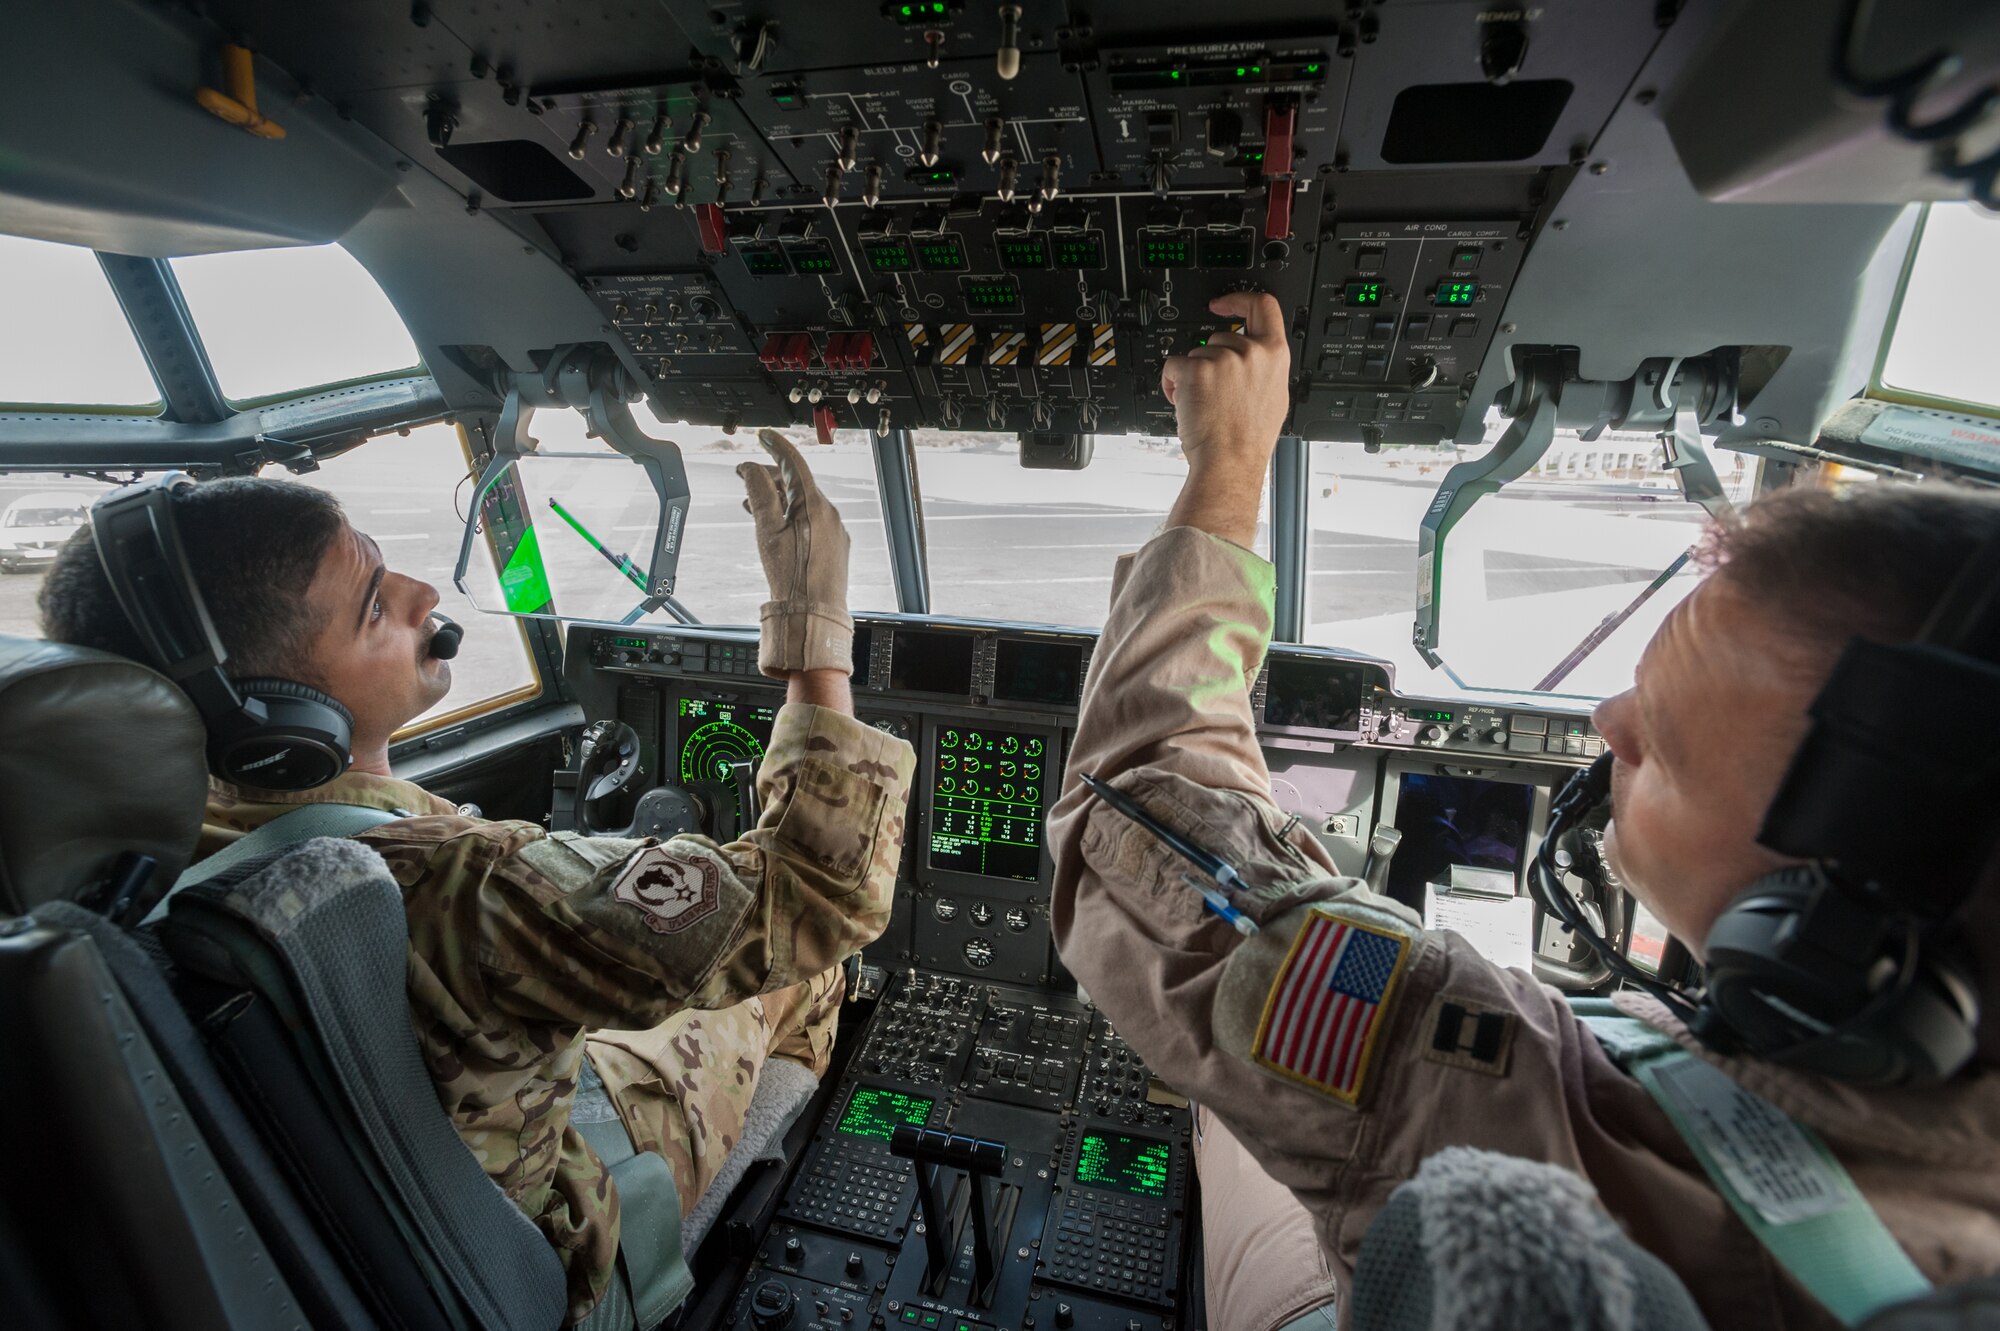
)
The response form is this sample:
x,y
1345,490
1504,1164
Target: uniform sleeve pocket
x,y
832,819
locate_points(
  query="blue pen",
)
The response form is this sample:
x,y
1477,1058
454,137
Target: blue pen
x,y
1213,865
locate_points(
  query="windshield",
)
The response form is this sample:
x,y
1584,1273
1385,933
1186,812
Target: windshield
x,y
1529,573
591,517
67,516
1005,542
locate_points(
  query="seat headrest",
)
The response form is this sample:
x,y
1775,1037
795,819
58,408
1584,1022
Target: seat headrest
x,y
98,755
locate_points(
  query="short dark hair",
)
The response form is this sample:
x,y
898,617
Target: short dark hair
x,y
1869,562
254,545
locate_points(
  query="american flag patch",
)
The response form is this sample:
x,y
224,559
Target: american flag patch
x,y
1320,1021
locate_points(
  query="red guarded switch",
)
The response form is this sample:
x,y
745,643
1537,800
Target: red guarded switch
x,y
772,354
1281,120
799,351
823,423
861,352
1278,209
714,231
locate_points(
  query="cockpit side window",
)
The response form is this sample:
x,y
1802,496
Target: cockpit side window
x,y
1933,355
63,339
276,321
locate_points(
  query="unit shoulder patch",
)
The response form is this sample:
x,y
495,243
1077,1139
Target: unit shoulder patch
x,y
1330,1001
1463,1033
674,892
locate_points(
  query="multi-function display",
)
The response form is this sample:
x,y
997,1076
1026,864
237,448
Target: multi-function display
x,y
1138,1165
875,1112
989,789
715,736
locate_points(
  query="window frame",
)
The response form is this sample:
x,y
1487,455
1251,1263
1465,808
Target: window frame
x,y
1879,391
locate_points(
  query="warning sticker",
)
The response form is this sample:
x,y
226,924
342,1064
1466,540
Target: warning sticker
x,y
1768,1161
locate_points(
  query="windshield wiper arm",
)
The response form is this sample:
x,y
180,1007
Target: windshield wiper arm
x,y
1610,624
624,564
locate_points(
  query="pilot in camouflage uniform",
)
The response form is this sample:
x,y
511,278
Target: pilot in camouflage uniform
x,y
678,967
1430,1044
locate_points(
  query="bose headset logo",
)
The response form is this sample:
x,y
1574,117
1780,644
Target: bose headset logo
x,y
277,757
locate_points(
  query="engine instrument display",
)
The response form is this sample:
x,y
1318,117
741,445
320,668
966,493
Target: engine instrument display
x,y
988,793
1138,1165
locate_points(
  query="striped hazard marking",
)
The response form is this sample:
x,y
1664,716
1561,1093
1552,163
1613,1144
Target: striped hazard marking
x,y
954,344
1103,348
918,335
1058,344
1006,348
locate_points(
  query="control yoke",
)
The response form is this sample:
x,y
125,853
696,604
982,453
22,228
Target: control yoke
x,y
1673,397
591,380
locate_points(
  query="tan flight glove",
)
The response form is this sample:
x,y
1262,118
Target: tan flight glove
x,y
804,548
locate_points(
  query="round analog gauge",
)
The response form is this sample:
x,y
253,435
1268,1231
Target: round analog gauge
x,y
982,914
1033,748
1031,771
948,762
973,765
978,953
945,908
947,739
889,727
1017,920
972,740
1009,769
1009,744
947,784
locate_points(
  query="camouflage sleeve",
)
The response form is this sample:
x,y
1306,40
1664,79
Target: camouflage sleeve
x,y
607,932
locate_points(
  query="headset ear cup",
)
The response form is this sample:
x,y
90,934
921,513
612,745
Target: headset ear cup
x,y
302,739
1798,1005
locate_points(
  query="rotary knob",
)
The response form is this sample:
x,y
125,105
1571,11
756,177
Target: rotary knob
x,y
854,1266
794,1250
771,1306
1431,735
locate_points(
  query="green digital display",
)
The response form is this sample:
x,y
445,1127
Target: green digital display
x,y
639,643
888,256
1454,293
763,259
875,1112
926,11
1138,1165
1077,251
1437,714
988,791
812,258
716,736
1223,249
941,254
1165,249
1363,293
1022,252
1466,256
990,295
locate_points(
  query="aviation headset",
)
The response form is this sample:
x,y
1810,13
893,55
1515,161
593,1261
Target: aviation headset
x,y
272,734
1842,966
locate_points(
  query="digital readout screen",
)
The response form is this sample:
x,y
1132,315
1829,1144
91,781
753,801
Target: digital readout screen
x,y
1022,252
992,295
930,662
1043,672
1364,293
812,258
715,736
941,254
1138,1165
1165,249
1455,293
875,1112
888,256
763,259
1079,250
928,11
988,788
1223,249
1314,695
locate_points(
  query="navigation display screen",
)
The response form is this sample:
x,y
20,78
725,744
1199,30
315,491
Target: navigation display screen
x,y
988,792
875,1112
1316,695
931,662
715,736
1044,672
1457,820
1138,1165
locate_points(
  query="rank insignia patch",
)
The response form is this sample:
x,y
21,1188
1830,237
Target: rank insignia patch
x,y
1332,992
1460,1033
674,893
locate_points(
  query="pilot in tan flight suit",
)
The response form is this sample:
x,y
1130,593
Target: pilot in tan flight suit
x,y
1341,1091
679,967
